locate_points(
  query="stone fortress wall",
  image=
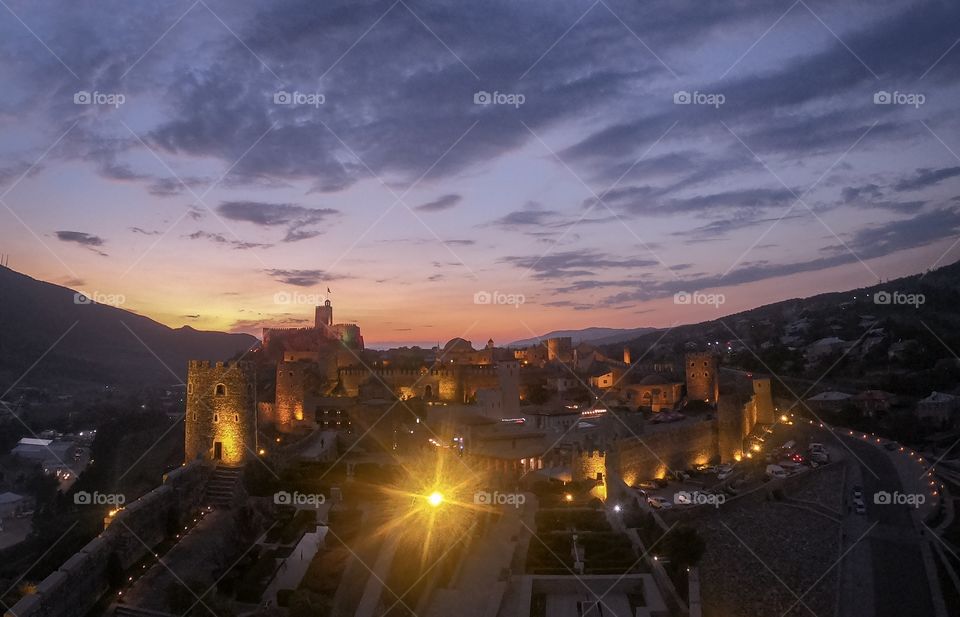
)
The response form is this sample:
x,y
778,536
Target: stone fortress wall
x,y
455,384
131,535
659,449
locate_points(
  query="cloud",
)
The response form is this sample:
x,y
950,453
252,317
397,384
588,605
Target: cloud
x,y
140,230
926,177
441,203
530,216
295,218
221,239
873,196
574,263
169,187
722,228
80,237
867,243
305,278
854,193
88,241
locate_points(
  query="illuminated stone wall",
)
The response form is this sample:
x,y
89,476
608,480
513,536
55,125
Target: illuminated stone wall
x,y
221,409
590,465
455,384
763,397
291,392
669,447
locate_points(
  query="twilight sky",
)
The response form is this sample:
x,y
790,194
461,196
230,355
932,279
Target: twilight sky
x,y
220,164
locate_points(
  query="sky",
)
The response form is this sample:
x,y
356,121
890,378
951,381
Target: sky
x,y
483,170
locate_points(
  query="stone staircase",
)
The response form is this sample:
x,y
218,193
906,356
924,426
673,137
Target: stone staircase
x,y
222,486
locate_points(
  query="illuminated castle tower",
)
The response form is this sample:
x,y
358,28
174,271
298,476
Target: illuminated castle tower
x,y
703,383
324,315
221,422
763,399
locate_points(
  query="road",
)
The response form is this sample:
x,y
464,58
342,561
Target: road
x,y
900,585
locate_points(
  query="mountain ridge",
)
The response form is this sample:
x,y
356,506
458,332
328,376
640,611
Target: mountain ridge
x,y
49,332
596,335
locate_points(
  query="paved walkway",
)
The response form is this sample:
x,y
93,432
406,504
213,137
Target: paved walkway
x,y
479,589
294,567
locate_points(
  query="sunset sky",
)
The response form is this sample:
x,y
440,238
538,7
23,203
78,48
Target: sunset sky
x,y
232,156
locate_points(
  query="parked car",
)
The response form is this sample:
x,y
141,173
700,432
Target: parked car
x,y
776,472
860,508
661,482
647,484
790,466
858,492
723,474
659,503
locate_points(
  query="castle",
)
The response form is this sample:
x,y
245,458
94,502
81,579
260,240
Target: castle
x,y
322,336
224,415
323,382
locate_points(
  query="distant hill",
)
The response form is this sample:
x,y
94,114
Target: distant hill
x,y
596,336
892,333
100,344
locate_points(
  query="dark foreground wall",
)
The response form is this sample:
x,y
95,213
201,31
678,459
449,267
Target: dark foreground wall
x,y
79,583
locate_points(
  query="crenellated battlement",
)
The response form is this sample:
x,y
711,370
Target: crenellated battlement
x,y
207,365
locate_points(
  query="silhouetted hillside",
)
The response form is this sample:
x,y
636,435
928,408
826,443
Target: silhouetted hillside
x,y
594,335
904,340
69,342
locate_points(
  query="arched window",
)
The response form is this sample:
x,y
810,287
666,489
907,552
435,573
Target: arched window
x,y
220,390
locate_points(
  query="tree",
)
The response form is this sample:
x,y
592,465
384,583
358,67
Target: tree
x,y
305,603
684,546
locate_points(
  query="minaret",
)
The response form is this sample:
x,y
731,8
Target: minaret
x,y
626,355
324,315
